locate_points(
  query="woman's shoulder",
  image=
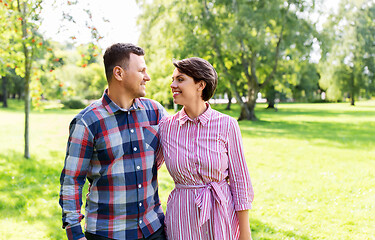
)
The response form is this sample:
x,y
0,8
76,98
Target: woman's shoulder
x,y
216,115
168,119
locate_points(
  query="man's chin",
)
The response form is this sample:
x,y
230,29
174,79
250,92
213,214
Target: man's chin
x,y
142,94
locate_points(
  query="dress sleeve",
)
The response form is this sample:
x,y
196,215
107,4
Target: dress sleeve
x,y
73,176
239,177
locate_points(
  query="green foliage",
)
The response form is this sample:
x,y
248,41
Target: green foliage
x,y
89,82
73,103
64,74
242,39
298,79
349,66
311,167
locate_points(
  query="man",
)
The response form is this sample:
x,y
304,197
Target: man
x,y
113,143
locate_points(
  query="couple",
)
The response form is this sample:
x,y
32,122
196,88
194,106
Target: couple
x,y
118,142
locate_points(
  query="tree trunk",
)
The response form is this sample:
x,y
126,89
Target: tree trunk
x,y
28,58
271,104
5,92
271,95
352,88
352,101
248,108
27,113
248,112
229,100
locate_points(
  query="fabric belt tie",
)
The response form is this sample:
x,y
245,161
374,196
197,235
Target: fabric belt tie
x,y
211,191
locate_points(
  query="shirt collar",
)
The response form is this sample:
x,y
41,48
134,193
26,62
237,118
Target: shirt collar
x,y
112,107
203,118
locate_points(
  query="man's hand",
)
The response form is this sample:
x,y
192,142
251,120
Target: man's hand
x,y
82,238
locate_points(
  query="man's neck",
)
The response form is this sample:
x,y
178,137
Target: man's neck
x,y
120,98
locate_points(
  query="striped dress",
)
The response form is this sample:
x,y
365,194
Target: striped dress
x,y
205,158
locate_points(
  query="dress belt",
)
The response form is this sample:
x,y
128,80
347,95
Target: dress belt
x,y
204,203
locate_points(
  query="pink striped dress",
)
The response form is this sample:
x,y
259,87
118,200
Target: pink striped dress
x,y
205,158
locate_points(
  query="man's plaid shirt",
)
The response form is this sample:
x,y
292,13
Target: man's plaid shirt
x,y
116,150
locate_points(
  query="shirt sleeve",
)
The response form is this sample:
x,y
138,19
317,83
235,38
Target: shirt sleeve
x,y
239,177
73,176
159,153
159,157
162,112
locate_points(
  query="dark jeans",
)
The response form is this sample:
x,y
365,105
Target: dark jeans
x,y
158,235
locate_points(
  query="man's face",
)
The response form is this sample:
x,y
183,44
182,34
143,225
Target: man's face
x,y
135,77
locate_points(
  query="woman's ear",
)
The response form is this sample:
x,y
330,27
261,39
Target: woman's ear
x,y
202,85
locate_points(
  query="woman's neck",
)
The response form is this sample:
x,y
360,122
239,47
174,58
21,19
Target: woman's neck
x,y
194,110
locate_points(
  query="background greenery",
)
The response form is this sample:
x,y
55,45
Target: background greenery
x,y
312,167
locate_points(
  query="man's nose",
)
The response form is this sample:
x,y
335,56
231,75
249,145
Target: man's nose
x,y
147,77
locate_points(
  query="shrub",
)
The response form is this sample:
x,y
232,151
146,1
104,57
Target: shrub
x,y
73,103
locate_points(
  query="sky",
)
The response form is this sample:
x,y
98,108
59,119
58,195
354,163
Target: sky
x,y
122,16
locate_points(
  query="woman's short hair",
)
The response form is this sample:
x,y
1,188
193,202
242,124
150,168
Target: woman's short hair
x,y
200,70
118,55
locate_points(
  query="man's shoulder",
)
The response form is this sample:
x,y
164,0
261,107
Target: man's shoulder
x,y
150,104
88,113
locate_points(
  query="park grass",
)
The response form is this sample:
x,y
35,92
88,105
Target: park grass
x,y
312,168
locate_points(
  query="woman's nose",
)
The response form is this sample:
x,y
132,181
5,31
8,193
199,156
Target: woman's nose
x,y
173,84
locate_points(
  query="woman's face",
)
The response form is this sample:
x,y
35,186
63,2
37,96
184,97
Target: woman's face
x,y
184,89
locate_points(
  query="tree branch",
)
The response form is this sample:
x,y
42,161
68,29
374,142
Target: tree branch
x,y
277,51
220,57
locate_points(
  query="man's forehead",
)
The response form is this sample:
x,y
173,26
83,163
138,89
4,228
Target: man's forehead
x,y
139,59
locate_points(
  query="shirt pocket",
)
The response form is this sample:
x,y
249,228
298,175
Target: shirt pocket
x,y
150,137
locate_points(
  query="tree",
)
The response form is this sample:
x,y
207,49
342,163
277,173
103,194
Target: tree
x,y
349,66
24,20
244,40
25,16
6,63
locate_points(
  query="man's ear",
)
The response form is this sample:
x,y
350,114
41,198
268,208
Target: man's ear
x,y
201,86
118,73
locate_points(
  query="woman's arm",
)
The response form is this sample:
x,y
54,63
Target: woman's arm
x,y
243,218
239,178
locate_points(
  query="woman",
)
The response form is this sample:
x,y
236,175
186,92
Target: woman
x,y
204,155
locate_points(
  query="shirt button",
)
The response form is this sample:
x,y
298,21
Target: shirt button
x,y
132,130
138,167
140,204
135,149
139,185
140,221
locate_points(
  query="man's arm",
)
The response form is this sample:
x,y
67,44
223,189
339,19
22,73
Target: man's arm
x,y
73,176
159,152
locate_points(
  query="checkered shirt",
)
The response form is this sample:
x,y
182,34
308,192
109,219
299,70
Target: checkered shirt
x,y
116,150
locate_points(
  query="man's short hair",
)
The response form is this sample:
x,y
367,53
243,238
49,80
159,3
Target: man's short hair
x,y
200,70
118,55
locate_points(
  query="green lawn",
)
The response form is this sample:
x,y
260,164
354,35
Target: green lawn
x,y
312,168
